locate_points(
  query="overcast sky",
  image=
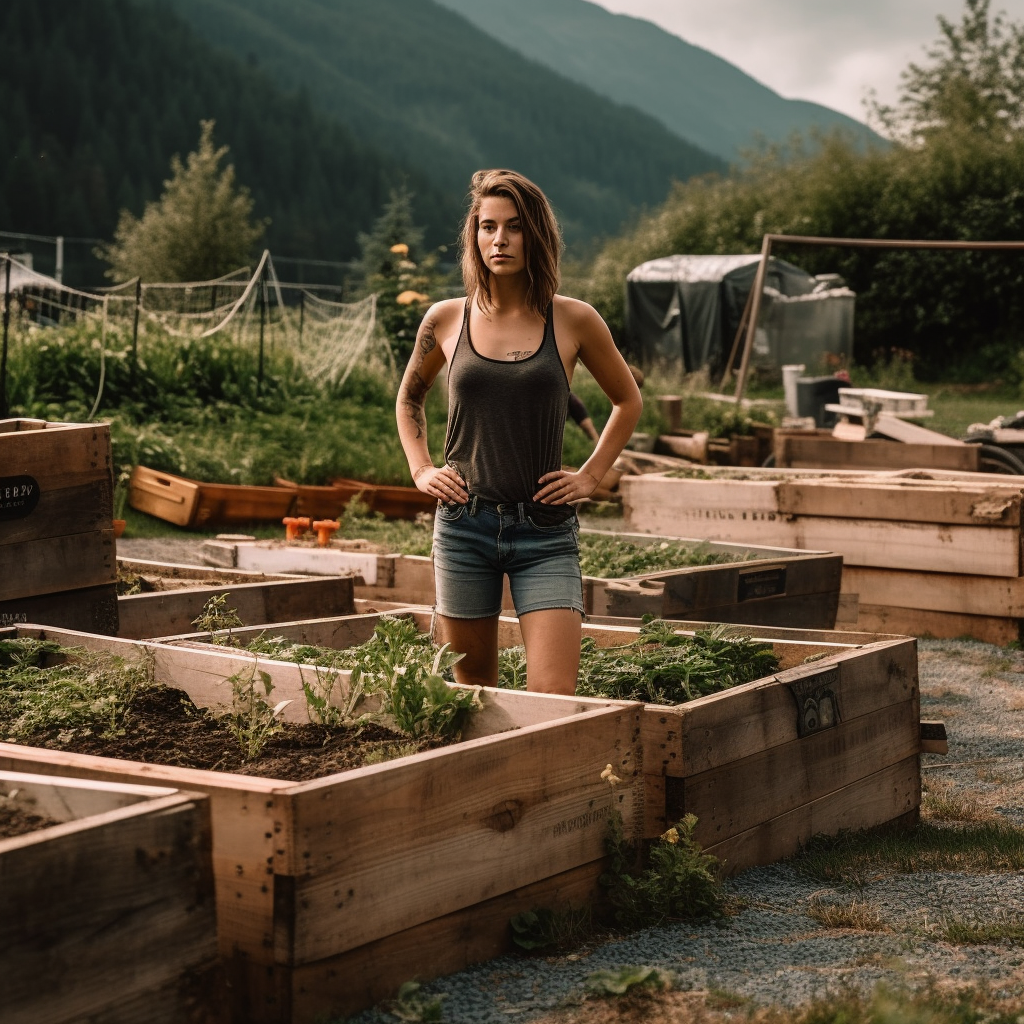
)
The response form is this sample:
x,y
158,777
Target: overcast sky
x,y
829,51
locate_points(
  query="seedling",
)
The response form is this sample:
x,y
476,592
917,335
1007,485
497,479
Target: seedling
x,y
252,720
215,618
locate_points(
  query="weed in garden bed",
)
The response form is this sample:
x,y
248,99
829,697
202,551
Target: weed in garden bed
x,y
252,720
609,557
547,929
679,882
856,858
216,618
1000,930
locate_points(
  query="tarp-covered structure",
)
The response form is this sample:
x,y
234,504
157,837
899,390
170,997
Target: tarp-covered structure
x,y
685,311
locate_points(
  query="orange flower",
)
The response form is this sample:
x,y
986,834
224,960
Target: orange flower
x,y
407,298
400,247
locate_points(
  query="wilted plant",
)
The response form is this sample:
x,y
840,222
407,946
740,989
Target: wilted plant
x,y
216,617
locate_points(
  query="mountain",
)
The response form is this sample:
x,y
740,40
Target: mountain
x,y
422,83
700,97
95,99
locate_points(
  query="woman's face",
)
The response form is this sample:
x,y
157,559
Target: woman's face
x,y
499,236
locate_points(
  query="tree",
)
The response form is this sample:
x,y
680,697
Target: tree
x,y
200,228
392,266
973,81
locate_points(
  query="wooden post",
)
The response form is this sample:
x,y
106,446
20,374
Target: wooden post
x,y
4,411
727,373
755,309
302,313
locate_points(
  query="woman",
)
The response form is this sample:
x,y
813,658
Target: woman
x,y
504,502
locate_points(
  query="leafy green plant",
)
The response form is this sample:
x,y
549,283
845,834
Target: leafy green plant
x,y
215,618
252,720
410,1005
607,557
680,881
68,691
423,704
318,694
661,666
629,978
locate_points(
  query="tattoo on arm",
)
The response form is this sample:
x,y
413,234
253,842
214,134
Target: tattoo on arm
x,y
414,394
427,340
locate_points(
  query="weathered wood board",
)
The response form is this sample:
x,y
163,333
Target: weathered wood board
x,y
108,915
56,508
799,451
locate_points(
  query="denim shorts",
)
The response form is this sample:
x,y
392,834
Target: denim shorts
x,y
477,544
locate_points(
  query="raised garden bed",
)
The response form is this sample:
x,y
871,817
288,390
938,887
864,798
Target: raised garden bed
x,y
830,740
924,551
176,595
332,892
107,911
56,524
710,581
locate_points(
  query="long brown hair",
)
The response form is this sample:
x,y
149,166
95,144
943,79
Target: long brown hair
x,y
542,240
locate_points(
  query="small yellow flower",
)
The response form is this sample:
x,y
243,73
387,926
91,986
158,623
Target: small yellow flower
x,y
609,776
671,836
407,298
400,247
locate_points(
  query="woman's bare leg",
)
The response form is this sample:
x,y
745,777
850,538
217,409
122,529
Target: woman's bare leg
x,y
478,640
552,639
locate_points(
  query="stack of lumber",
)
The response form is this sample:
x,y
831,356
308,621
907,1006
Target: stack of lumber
x,y
56,525
925,551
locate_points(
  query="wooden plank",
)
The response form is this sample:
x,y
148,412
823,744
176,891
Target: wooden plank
x,y
796,452
412,579
91,609
84,508
172,612
59,457
655,818
915,622
56,564
70,799
997,596
711,732
898,502
212,576
920,546
897,429
515,812
735,797
886,795
97,915
347,983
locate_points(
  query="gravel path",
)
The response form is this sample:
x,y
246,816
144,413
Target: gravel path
x,y
773,951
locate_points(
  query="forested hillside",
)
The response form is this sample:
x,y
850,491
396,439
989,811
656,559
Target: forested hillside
x,y
96,97
697,94
422,83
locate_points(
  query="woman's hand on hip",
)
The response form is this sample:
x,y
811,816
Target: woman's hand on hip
x,y
563,487
443,483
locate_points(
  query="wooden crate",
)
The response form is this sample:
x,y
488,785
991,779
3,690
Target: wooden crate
x,y
761,768
924,551
108,915
169,612
56,524
331,893
773,586
192,503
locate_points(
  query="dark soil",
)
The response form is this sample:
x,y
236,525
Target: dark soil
x,y
16,821
165,727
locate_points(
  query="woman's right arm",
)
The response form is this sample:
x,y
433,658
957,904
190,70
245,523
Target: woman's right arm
x,y
426,362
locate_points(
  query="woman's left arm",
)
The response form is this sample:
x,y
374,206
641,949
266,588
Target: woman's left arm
x,y
597,352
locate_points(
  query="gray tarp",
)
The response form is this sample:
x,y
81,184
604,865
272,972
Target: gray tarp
x,y
688,308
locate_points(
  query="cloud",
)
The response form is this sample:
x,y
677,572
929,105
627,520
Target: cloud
x,y
822,50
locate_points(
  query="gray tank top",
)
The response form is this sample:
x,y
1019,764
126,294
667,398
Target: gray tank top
x,y
505,419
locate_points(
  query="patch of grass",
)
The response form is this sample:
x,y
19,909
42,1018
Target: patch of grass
x,y
941,802
859,915
856,858
548,929
999,930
